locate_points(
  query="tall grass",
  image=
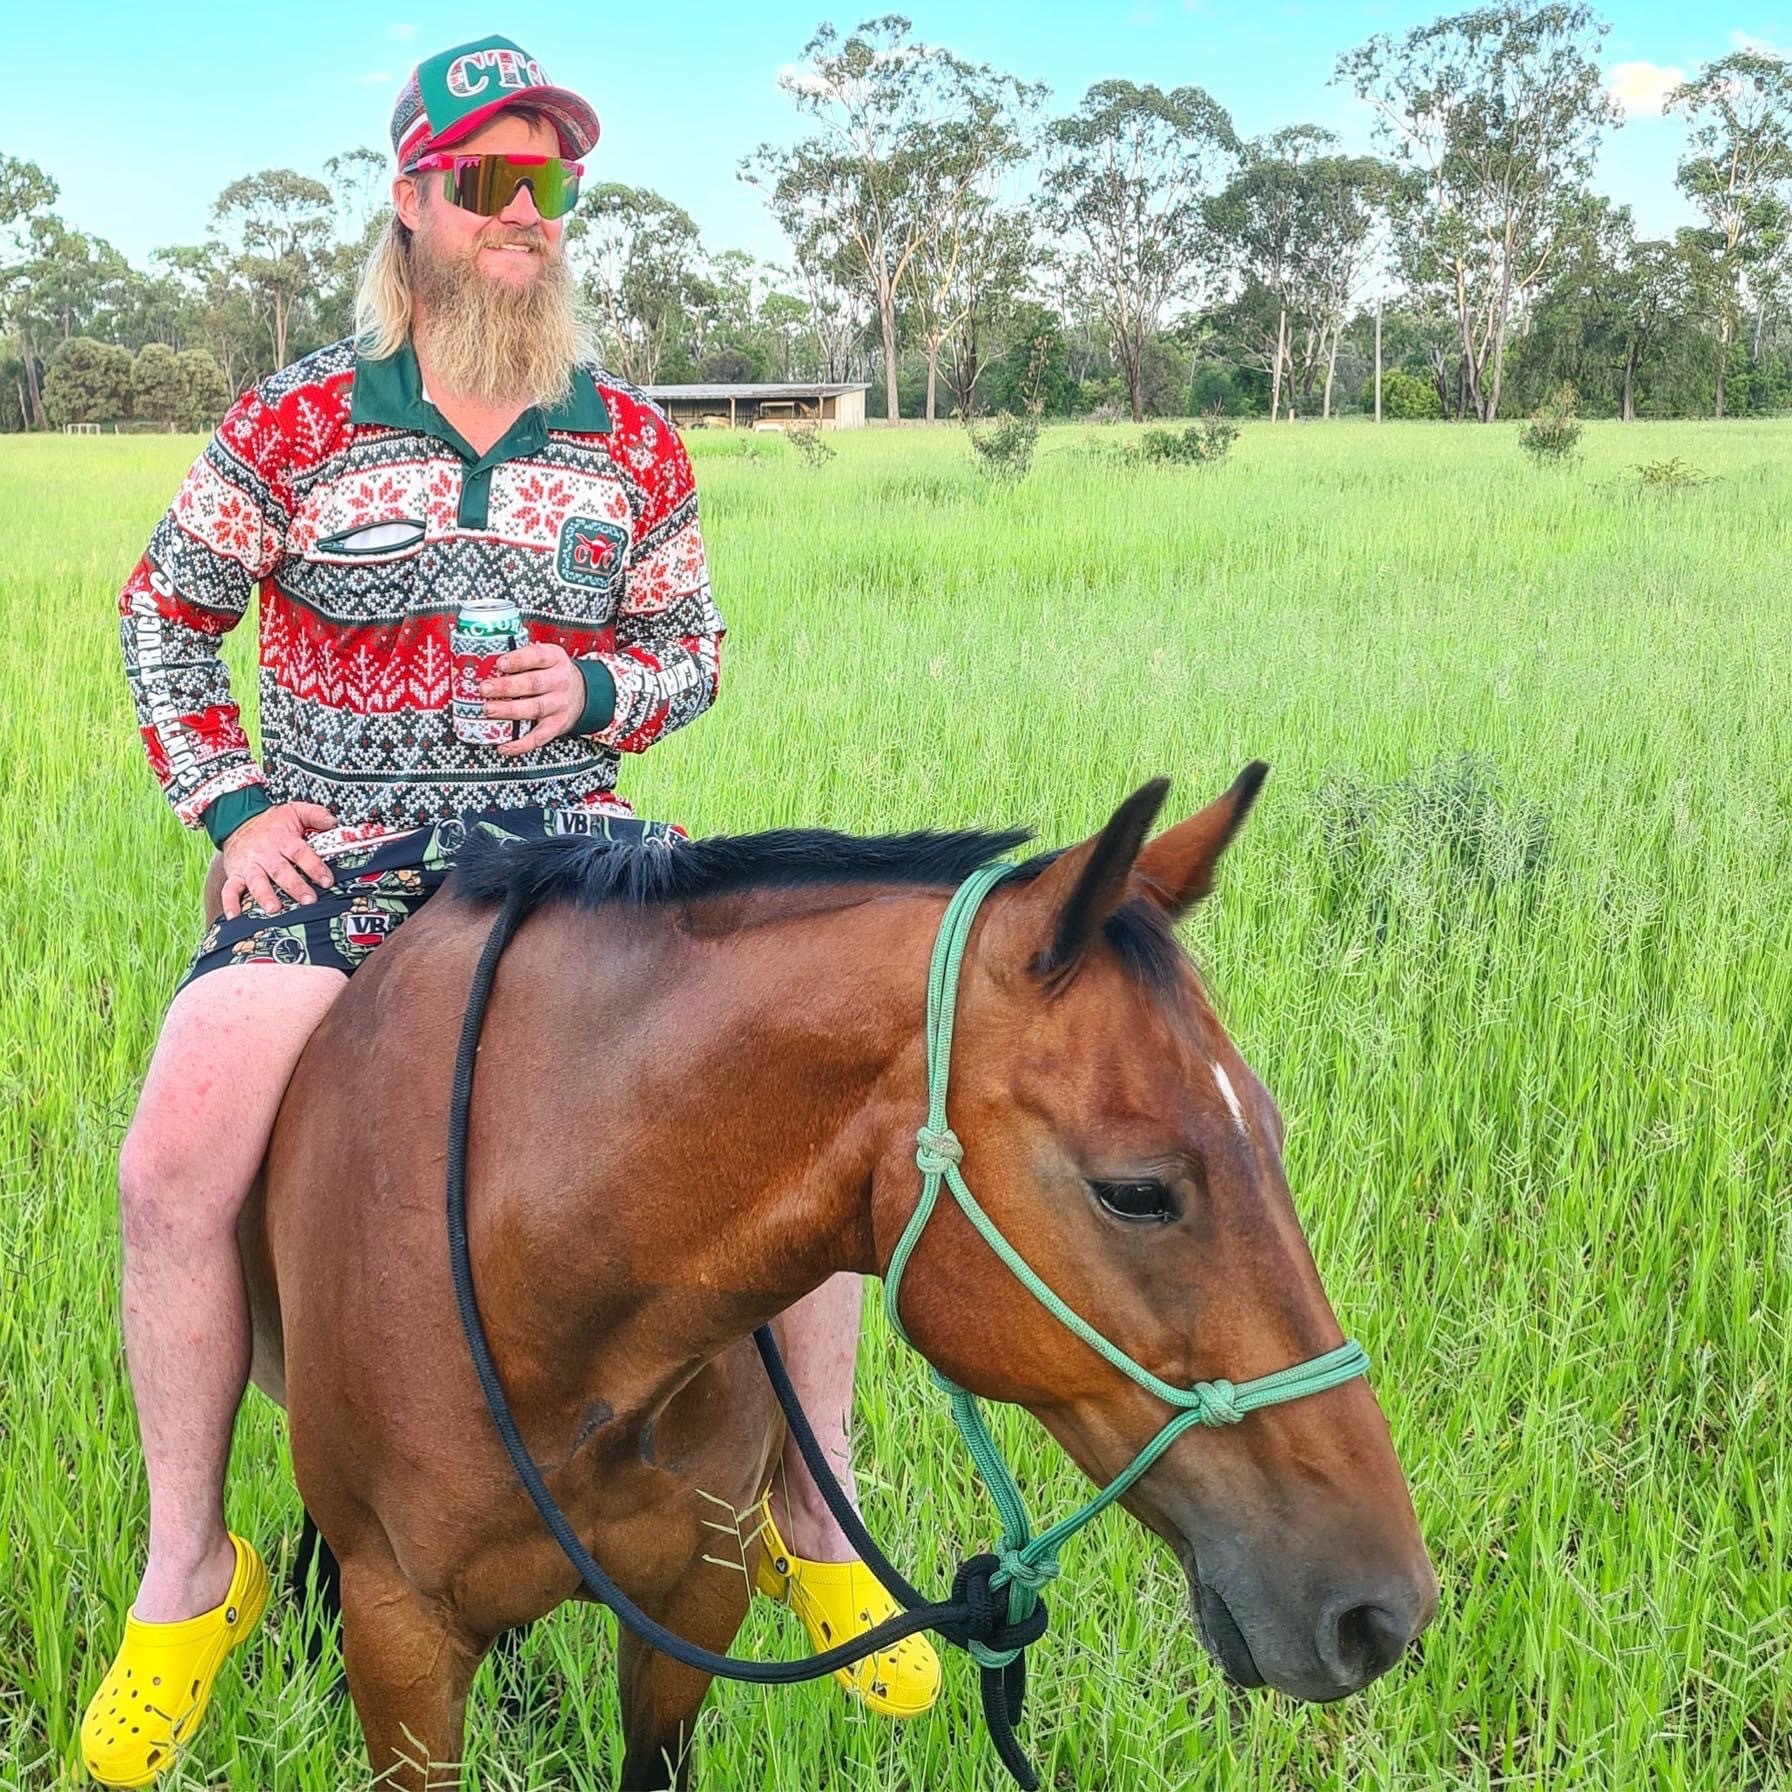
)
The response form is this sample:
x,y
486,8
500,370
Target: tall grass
x,y
1508,936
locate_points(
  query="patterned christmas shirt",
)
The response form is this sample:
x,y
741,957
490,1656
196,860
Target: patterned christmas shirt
x,y
366,520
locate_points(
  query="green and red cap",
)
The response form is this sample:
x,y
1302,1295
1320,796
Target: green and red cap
x,y
450,96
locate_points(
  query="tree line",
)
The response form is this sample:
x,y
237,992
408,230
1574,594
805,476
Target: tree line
x,y
962,250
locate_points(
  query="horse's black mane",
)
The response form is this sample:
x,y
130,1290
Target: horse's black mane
x,y
591,872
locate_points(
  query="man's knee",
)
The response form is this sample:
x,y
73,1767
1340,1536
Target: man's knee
x,y
226,1053
169,1193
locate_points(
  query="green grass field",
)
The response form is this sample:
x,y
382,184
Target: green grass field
x,y
1508,936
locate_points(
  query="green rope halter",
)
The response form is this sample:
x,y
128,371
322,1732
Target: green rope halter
x,y
1029,1562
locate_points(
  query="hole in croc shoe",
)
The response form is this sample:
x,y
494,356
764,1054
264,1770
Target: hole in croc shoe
x,y
827,1630
154,1755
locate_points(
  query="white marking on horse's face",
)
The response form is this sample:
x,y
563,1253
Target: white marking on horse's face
x,y
1231,1095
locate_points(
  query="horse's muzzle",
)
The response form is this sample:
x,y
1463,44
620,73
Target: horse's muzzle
x,y
1357,1634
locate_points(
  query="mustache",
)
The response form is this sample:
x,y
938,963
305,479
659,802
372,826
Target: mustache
x,y
505,234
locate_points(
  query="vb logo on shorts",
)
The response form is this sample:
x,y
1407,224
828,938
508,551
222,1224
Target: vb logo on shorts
x,y
591,550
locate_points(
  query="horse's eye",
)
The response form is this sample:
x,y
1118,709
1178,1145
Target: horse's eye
x,y
1136,1200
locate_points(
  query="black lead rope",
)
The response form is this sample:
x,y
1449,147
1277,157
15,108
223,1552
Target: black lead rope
x,y
976,1612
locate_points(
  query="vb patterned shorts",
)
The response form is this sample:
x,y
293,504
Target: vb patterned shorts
x,y
380,885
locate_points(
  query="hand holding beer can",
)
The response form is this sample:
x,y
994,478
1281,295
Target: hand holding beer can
x,y
485,630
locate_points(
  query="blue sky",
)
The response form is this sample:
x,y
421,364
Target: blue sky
x,y
144,113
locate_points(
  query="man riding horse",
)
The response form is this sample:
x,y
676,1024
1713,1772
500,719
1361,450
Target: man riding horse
x,y
463,442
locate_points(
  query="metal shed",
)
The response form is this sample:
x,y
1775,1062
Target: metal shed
x,y
762,405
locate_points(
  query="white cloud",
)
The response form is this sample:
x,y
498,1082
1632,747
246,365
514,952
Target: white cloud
x,y
798,77
379,79
1640,87
401,32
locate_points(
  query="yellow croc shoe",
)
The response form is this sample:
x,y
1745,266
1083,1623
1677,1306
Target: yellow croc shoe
x,y
838,1601
157,1689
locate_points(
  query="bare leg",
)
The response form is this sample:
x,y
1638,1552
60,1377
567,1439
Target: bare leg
x,y
821,1343
222,1063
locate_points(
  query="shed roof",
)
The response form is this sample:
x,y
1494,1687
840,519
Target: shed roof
x,y
749,390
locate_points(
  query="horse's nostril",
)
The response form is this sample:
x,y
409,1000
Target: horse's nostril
x,y
1361,1641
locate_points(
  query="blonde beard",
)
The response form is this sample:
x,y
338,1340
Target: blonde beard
x,y
489,341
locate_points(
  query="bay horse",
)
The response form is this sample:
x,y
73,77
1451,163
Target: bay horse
x,y
700,1077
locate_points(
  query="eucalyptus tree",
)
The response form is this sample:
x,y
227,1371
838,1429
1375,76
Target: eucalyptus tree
x,y
64,284
638,257
1739,117
967,233
1125,192
1653,292
26,192
219,312
785,326
1601,319
359,183
1299,220
721,312
278,225
839,310
904,134
1495,116
991,275
1257,219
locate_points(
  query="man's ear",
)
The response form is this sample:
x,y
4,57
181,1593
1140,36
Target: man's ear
x,y
1176,870
1043,928
407,201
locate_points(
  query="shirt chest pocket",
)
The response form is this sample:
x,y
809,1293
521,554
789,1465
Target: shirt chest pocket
x,y
368,517
591,558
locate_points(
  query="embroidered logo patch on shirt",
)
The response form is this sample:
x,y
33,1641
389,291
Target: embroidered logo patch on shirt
x,y
591,550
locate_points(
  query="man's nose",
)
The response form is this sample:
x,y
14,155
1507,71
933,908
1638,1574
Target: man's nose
x,y
521,209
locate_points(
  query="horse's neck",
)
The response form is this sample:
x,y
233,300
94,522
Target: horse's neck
x,y
795,1038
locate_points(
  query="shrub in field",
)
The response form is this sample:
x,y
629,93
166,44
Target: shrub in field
x,y
812,447
1553,433
1004,451
1200,444
1426,852
1108,450
1405,398
1669,475
760,445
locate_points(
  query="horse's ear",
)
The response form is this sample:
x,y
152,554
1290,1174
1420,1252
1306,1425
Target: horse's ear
x,y
1176,870
1044,927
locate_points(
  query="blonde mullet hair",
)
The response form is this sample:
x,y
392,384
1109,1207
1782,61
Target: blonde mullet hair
x,y
383,297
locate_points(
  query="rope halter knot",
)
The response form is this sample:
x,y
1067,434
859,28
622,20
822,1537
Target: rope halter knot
x,y
1219,1402
988,1632
936,1152
1017,1569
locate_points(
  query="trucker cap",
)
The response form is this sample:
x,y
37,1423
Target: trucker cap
x,y
451,95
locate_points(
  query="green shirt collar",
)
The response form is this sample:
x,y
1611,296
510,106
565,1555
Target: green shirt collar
x,y
390,392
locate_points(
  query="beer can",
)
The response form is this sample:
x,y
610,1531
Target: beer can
x,y
485,629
